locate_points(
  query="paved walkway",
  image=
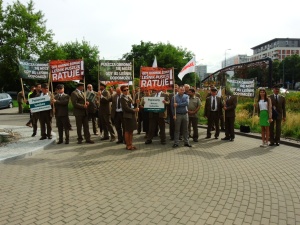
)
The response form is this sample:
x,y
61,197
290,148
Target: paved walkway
x,y
214,182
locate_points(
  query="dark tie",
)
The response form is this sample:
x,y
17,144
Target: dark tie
x,y
276,99
119,102
213,104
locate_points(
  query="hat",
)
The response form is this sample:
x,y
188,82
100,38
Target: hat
x,y
80,84
276,86
213,88
102,84
44,85
59,86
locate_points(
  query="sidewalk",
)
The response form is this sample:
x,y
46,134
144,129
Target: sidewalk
x,y
214,182
28,146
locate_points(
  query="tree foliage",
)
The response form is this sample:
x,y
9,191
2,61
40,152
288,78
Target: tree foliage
x,y
167,56
23,36
76,50
290,69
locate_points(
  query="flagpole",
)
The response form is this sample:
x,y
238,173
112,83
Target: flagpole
x,y
49,72
84,84
174,93
254,105
23,93
139,91
133,88
195,76
98,73
52,92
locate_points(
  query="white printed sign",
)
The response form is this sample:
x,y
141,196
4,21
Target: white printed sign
x,y
40,103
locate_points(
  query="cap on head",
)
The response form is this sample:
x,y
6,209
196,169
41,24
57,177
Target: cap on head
x,y
213,88
80,84
60,86
102,84
276,86
44,85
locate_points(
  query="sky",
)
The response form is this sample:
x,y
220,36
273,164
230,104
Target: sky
x,y
206,28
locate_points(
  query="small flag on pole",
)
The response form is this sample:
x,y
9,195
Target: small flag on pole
x,y
154,62
188,68
219,94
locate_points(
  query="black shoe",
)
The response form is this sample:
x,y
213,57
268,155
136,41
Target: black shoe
x,y
187,145
180,138
271,144
175,146
79,142
207,137
33,134
225,139
59,142
148,142
171,139
277,144
67,142
112,139
50,137
163,143
231,139
43,138
195,140
216,137
119,142
90,142
104,138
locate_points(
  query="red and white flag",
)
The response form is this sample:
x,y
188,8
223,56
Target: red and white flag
x,y
219,94
188,68
154,64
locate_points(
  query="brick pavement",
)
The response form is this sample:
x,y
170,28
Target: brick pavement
x,y
215,182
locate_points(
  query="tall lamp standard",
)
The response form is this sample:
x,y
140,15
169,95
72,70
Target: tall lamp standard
x,y
283,72
225,56
199,77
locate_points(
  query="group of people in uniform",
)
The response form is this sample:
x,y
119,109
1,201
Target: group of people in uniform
x,y
111,110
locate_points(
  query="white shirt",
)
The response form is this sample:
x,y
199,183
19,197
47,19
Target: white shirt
x,y
263,105
158,94
216,104
119,99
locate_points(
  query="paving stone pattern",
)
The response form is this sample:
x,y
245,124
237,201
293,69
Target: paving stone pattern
x,y
214,182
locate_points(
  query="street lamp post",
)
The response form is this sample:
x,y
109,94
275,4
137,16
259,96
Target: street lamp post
x,y
225,57
283,72
199,76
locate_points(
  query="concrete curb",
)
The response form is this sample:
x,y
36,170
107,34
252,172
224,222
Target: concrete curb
x,y
26,146
289,142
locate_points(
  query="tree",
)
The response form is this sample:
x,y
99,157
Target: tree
x,y
290,69
167,56
90,55
76,50
23,36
